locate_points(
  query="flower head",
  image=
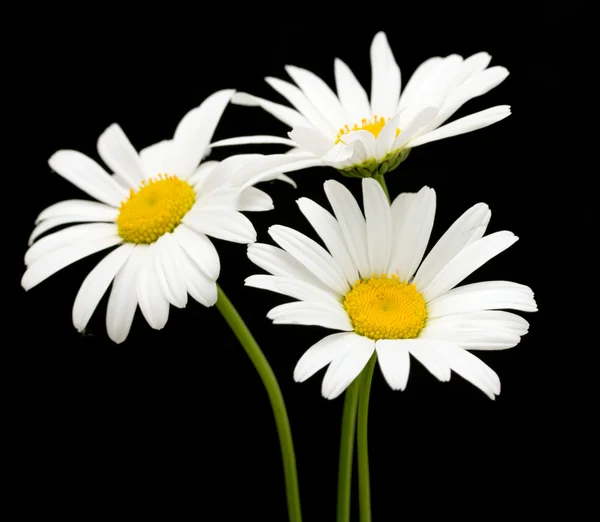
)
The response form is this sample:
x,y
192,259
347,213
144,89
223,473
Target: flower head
x,y
157,208
363,136
373,284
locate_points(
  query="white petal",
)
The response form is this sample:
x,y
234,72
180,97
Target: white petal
x,y
387,137
296,97
311,140
51,263
379,225
469,123
79,207
465,230
88,176
385,77
426,351
169,272
394,362
69,236
344,369
329,231
352,96
118,153
202,172
122,301
295,288
278,262
483,296
312,255
281,112
153,304
418,78
467,261
254,200
320,95
423,118
414,235
251,140
294,163
53,222
96,283
472,369
311,313
319,355
195,130
159,159
200,249
198,284
352,224
356,138
223,224
399,210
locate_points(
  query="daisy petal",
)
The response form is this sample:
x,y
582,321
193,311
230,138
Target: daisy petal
x,y
228,225
319,94
328,229
288,116
159,159
79,207
352,96
118,153
279,263
294,288
87,175
153,304
425,117
195,130
202,172
387,137
467,261
96,283
465,230
200,249
311,140
312,255
311,313
472,369
414,235
319,355
344,369
394,362
491,295
385,77
168,271
57,221
254,200
69,236
399,210
296,97
418,78
198,284
51,263
352,223
426,352
251,140
479,120
379,225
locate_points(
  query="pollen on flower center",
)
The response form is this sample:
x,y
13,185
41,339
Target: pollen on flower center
x,y
156,208
374,127
384,307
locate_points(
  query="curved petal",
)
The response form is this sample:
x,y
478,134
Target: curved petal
x,y
50,223
418,78
426,351
281,112
228,225
352,96
252,140
394,361
169,272
379,225
51,263
311,140
294,288
118,153
320,354
96,283
198,284
153,304
311,313
87,175
255,200
200,249
159,159
79,207
385,77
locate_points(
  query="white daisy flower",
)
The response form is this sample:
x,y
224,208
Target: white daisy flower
x,y
158,208
363,137
372,285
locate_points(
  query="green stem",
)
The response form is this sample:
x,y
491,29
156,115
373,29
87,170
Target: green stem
x,y
265,372
380,178
347,452
362,445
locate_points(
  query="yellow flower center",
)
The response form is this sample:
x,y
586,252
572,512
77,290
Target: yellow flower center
x,y
156,208
386,308
374,127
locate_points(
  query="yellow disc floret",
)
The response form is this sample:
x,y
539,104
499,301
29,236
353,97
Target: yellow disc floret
x,y
374,127
384,307
156,208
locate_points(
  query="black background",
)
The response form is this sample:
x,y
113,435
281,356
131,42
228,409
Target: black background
x,y
178,419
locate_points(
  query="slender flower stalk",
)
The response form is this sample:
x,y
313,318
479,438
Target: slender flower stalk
x,y
236,323
347,453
